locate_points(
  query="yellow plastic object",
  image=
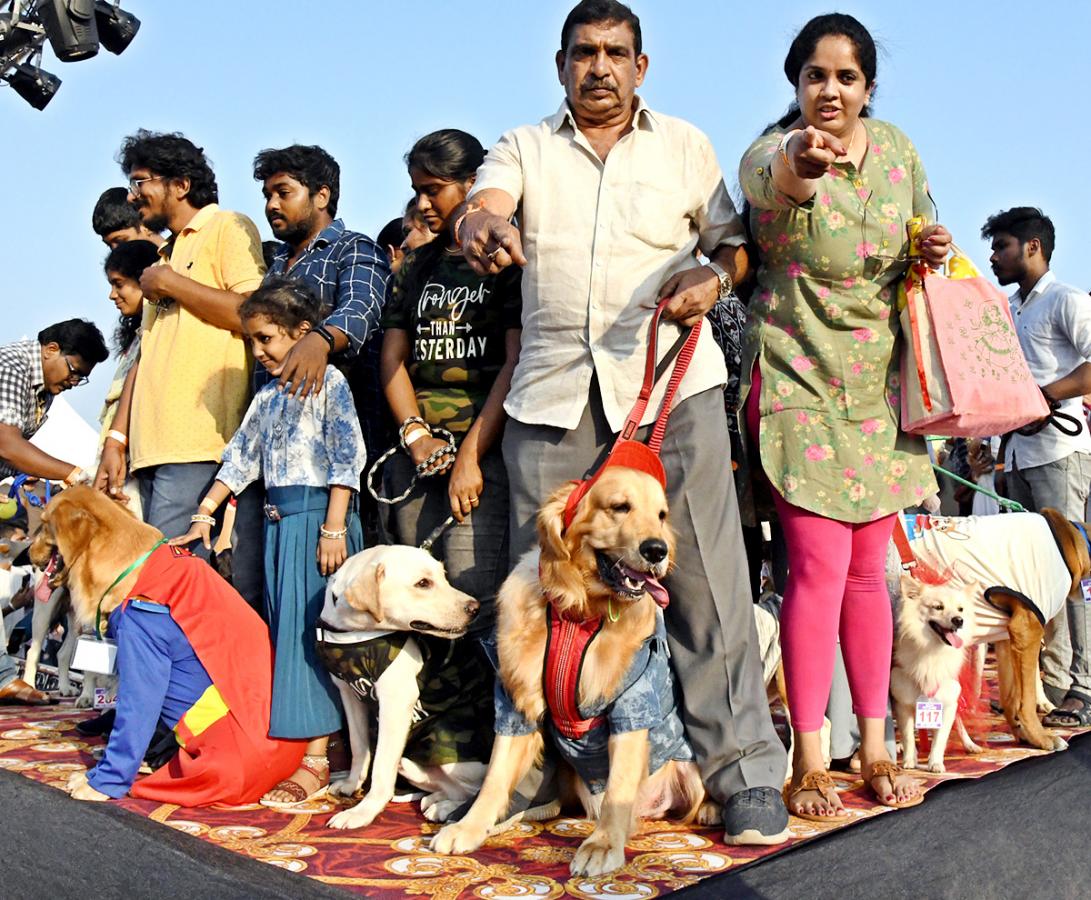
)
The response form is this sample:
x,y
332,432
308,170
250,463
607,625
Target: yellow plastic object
x,y
960,266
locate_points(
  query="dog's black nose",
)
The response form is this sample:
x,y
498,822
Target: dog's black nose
x,y
472,608
956,622
653,550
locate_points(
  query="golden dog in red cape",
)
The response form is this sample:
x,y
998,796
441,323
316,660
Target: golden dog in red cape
x,y
110,560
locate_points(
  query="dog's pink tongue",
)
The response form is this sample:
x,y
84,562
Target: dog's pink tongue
x,y
954,640
658,592
43,591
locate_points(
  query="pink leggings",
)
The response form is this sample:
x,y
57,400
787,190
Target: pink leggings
x,y
836,587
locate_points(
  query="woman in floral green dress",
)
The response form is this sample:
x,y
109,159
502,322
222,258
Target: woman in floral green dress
x,y
830,192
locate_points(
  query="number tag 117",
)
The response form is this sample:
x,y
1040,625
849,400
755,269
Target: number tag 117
x,y
929,714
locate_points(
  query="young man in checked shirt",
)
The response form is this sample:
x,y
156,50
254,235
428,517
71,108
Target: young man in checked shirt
x,y
348,272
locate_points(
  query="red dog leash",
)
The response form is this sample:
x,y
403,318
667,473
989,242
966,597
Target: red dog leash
x,y
568,640
630,453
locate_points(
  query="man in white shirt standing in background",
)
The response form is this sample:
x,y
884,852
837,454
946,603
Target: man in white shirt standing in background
x,y
612,199
1050,468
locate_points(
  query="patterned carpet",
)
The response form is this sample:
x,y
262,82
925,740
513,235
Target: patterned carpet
x,y
391,858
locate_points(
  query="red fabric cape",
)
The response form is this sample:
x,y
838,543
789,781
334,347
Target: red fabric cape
x,y
233,761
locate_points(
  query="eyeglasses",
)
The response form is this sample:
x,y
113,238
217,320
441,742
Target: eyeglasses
x,y
76,378
136,185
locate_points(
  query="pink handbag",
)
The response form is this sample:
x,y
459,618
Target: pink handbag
x,y
963,371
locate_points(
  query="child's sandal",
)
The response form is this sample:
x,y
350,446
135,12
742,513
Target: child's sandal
x,y
297,792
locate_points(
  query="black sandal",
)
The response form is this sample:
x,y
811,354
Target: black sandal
x,y
1070,718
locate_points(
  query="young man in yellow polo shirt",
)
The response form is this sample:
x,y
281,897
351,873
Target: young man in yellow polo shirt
x,y
191,386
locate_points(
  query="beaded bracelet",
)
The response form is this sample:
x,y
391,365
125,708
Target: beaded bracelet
x,y
204,520
331,535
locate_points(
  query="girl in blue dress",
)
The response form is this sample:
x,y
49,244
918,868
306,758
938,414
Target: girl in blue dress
x,y
311,455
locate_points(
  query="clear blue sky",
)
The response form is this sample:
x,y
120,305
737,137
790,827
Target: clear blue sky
x,y
994,97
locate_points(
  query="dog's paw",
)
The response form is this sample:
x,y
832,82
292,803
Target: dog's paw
x,y
69,690
909,760
937,768
597,856
709,813
437,808
461,837
360,816
343,788
84,702
1059,743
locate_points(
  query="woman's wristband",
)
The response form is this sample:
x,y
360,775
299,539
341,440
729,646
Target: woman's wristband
x,y
415,433
201,519
409,423
122,439
74,476
208,505
332,534
782,148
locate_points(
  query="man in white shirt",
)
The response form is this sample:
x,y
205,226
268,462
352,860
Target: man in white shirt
x,y
1050,468
612,199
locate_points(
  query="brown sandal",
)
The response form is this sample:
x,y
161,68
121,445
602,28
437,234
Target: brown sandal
x,y
885,768
297,792
819,781
19,693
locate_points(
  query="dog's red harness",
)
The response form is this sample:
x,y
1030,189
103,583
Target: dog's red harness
x,y
566,646
569,639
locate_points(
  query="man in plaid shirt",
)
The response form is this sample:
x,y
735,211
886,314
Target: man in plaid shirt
x,y
32,373
347,271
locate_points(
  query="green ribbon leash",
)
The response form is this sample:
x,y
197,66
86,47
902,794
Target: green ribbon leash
x,y
1003,501
139,561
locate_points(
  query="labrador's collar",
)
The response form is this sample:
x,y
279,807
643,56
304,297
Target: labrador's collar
x,y
330,635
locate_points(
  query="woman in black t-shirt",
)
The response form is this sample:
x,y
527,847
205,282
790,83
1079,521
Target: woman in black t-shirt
x,y
450,343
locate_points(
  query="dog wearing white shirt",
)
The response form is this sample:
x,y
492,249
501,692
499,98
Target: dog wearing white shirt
x,y
990,579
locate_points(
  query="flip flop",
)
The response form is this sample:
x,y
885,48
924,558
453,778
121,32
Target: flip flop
x,y
819,781
885,767
297,791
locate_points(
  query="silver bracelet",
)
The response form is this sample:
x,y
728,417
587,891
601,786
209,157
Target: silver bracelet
x,y
204,520
332,535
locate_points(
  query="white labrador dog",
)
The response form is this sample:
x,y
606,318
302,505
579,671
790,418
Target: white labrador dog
x,y
387,635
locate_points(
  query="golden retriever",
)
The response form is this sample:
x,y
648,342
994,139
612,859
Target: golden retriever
x,y
606,564
84,541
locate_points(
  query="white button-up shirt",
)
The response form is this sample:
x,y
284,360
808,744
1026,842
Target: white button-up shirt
x,y
1054,328
600,239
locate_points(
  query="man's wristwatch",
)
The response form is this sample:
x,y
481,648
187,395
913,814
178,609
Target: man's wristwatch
x,y
323,332
726,284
